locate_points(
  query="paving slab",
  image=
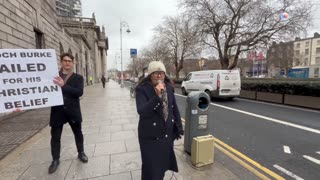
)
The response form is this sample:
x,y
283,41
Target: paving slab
x,y
40,172
97,166
107,148
125,162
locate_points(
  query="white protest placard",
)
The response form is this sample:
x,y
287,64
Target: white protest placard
x,y
26,79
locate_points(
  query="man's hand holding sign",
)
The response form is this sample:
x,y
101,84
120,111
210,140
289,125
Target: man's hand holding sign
x,y
58,81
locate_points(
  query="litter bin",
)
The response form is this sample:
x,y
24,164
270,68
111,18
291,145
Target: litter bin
x,y
197,117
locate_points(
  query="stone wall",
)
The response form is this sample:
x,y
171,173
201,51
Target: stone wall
x,y
21,21
20,18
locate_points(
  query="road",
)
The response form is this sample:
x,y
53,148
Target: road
x,y
284,139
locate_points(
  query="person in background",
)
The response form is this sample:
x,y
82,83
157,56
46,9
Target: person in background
x,y
103,80
91,80
137,80
70,112
144,73
159,123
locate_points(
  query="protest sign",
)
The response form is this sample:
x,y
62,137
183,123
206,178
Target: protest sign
x,y
26,79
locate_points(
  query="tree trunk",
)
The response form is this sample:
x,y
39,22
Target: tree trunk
x,y
178,69
177,74
224,63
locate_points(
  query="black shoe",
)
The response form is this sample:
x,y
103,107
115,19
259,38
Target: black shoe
x,y
54,166
83,157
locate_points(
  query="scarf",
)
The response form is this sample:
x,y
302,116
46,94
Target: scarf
x,y
67,77
165,104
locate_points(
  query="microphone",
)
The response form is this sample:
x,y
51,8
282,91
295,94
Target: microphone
x,y
159,82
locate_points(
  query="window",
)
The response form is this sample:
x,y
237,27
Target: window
x,y
298,45
307,44
39,39
318,50
305,61
317,60
318,42
316,72
188,77
297,52
306,52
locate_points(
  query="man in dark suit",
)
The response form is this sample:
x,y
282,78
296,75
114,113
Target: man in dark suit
x,y
72,88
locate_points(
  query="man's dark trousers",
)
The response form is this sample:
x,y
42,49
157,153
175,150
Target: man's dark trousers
x,y
56,132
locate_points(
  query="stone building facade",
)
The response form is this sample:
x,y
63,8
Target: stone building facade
x,y
34,24
307,54
69,8
31,24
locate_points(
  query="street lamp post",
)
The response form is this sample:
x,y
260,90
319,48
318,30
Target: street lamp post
x,y
122,25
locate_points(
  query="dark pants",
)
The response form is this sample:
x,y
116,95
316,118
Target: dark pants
x,y
56,132
103,85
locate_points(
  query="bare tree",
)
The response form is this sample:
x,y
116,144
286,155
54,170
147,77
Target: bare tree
x,y
235,26
156,51
179,39
136,66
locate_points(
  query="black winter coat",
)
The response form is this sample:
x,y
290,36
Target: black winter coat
x,y
70,110
155,135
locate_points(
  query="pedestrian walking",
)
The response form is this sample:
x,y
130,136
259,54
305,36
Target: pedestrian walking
x,y
103,80
159,123
134,85
91,80
70,112
144,73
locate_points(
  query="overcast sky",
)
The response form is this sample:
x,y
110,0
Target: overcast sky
x,y
142,16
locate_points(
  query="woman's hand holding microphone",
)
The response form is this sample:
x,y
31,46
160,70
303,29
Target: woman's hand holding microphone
x,y
160,87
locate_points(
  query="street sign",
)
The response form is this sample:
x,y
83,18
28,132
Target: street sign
x,y
133,53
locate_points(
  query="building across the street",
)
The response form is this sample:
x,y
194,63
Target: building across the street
x,y
280,58
296,59
307,54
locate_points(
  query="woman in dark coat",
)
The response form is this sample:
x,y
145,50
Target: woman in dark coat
x,y
159,123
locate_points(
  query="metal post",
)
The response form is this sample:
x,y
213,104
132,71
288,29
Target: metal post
x,y
121,55
122,24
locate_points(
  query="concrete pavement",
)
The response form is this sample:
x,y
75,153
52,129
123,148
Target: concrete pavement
x,y
111,143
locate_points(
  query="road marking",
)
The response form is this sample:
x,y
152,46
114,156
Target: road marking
x,y
268,118
281,105
271,119
244,164
312,159
318,152
180,95
287,172
286,149
239,154
272,104
259,166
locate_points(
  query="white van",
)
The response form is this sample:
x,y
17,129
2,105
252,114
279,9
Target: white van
x,y
217,83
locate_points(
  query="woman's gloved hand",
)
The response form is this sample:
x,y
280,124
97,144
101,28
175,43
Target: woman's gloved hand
x,y
179,134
